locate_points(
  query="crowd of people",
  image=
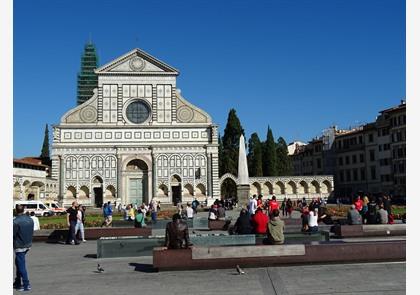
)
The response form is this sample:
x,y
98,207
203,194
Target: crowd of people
x,y
365,210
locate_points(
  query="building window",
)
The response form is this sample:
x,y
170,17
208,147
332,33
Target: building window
x,y
362,158
348,176
362,174
360,139
342,176
340,161
370,137
347,160
137,112
380,147
354,159
355,175
318,163
372,155
372,172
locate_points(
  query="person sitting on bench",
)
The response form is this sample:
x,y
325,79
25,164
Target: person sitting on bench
x,y
353,216
275,229
176,236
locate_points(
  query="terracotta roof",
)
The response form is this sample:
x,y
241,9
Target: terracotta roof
x,y
30,161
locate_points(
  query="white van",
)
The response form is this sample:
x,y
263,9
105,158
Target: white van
x,y
35,206
55,207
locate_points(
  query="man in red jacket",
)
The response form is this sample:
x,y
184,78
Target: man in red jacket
x,y
260,221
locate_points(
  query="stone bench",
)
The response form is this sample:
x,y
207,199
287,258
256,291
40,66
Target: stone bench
x,y
369,230
143,246
299,237
92,233
218,224
265,256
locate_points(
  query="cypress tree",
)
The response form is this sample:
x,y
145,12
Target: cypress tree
x,y
87,80
284,161
220,155
255,165
45,151
269,155
230,142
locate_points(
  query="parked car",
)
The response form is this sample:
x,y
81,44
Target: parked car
x,y
55,207
38,207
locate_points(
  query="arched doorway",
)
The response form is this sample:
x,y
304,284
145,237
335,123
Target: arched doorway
x,y
98,191
228,189
136,172
176,189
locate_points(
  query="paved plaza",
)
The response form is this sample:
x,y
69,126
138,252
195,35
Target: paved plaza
x,y
64,269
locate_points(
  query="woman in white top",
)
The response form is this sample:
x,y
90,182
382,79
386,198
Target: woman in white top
x,y
313,220
79,225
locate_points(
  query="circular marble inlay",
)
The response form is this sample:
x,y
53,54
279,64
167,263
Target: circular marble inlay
x,y
185,114
88,114
137,64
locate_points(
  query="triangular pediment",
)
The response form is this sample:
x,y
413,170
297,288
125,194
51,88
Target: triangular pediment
x,y
139,62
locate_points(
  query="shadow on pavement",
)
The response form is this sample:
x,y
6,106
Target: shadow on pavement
x,y
148,268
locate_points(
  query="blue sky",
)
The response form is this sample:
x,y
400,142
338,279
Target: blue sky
x,y
298,66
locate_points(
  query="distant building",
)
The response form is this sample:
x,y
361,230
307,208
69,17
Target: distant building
x,y
369,158
32,181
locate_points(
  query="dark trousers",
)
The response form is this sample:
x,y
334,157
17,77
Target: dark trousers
x,y
21,273
154,216
71,235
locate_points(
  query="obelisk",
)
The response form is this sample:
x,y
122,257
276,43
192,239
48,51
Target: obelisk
x,y
242,187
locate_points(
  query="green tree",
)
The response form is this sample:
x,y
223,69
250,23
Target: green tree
x,y
283,159
220,155
255,166
269,155
230,141
45,151
87,80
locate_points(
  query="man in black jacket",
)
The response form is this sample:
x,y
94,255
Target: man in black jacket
x,y
23,230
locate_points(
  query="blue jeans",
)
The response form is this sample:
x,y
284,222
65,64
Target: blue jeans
x,y
71,236
21,273
154,216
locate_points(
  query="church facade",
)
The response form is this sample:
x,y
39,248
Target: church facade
x,y
135,138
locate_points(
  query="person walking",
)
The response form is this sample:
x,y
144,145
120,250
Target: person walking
x,y
80,223
36,221
153,207
71,223
23,230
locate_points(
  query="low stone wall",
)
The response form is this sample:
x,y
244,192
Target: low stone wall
x,y
143,246
92,233
369,230
263,256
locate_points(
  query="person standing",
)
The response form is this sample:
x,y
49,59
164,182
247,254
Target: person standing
x,y
272,205
35,220
71,223
23,230
153,207
80,223
190,211
252,205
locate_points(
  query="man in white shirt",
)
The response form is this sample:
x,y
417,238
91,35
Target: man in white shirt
x,y
252,204
313,220
190,211
35,220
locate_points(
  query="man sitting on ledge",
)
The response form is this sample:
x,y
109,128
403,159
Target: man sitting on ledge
x,y
275,229
176,236
353,216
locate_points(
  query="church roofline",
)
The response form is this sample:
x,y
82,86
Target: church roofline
x,y
167,68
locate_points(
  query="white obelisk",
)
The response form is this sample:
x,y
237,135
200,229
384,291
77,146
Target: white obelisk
x,y
242,188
